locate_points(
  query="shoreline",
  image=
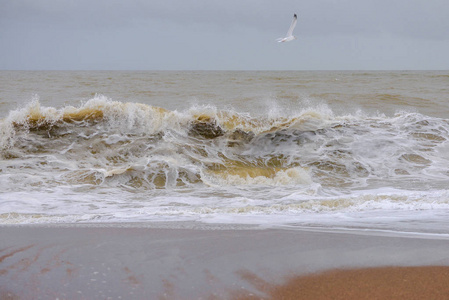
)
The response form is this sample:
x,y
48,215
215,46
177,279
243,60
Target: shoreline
x,y
82,261
204,226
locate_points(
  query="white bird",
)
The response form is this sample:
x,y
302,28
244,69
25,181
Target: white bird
x,y
289,37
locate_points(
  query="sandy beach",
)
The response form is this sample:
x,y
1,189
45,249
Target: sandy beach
x,y
427,282
131,262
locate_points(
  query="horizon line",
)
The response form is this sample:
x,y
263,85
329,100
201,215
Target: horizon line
x,y
225,70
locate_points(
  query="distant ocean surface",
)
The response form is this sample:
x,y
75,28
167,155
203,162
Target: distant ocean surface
x,y
361,150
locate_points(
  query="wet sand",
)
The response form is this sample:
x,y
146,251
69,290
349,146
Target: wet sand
x,y
131,262
428,282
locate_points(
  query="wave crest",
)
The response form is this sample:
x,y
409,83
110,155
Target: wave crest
x,y
105,142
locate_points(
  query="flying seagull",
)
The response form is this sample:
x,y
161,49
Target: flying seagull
x,y
289,37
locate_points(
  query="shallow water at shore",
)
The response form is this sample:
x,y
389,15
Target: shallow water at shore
x,y
103,261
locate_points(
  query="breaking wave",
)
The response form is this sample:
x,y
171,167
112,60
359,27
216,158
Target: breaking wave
x,y
208,161
104,142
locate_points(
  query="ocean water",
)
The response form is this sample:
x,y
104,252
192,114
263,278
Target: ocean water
x,y
354,150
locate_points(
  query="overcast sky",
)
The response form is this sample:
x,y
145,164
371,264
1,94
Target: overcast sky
x,y
223,35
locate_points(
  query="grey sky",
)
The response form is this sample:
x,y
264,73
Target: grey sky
x,y
223,35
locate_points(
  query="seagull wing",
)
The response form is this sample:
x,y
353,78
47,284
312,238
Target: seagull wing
x,y
292,26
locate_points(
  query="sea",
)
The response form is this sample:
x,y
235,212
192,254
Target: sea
x,y
352,150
